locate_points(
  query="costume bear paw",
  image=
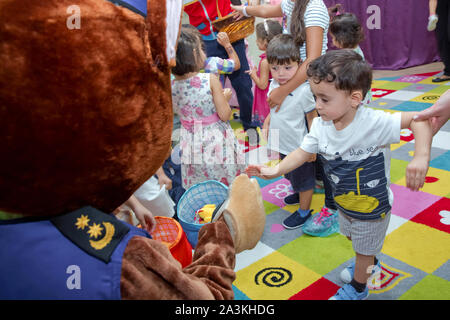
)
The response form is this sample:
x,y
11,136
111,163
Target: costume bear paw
x,y
243,212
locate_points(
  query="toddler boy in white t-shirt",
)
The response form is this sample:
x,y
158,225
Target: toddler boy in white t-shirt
x,y
353,141
288,124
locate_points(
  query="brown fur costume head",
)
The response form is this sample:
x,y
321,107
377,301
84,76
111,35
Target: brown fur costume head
x,y
85,113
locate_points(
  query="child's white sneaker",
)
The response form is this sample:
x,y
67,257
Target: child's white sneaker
x,y
432,21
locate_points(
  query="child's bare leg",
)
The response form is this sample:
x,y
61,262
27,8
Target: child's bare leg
x,y
362,270
305,199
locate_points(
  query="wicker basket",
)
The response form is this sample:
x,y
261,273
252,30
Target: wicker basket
x,y
235,29
208,192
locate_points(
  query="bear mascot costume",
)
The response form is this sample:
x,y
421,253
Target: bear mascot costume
x,y
85,119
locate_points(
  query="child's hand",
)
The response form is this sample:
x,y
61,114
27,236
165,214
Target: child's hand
x,y
252,72
164,180
227,93
312,158
222,39
145,217
416,172
264,172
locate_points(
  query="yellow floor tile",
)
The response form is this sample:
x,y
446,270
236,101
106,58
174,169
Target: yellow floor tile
x,y
438,188
398,145
418,245
274,277
427,98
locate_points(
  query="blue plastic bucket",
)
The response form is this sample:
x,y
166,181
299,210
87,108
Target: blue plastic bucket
x,y
197,196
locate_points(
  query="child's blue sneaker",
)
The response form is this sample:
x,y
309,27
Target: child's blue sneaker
x,y
292,199
297,219
322,224
347,292
347,273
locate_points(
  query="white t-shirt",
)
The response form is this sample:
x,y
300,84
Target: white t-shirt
x,y
357,160
316,15
289,122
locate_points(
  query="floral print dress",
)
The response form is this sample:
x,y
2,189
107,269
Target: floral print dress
x,y
209,148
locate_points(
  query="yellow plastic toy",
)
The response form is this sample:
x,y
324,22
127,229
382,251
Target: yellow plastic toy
x,y
206,212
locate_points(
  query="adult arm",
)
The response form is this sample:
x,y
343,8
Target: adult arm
x,y
314,39
262,11
438,114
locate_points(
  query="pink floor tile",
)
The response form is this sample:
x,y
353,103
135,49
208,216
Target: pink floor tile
x,y
408,204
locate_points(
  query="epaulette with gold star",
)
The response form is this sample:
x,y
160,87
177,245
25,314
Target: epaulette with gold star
x,y
94,231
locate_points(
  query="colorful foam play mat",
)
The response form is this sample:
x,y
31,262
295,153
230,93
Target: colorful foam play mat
x,y
291,265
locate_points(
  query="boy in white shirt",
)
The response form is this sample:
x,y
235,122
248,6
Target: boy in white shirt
x,y
354,143
286,127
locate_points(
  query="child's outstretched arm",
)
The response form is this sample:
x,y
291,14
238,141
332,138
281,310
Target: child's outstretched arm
x,y
293,160
418,167
224,41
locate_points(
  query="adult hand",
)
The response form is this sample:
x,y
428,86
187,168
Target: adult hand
x,y
276,98
238,14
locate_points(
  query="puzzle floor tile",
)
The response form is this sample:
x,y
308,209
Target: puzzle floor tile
x,y
403,95
430,288
437,182
277,191
383,103
274,277
313,251
322,289
408,203
422,87
418,245
442,162
411,106
246,258
436,216
275,235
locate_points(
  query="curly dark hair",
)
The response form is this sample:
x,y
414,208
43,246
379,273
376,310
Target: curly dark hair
x,y
345,67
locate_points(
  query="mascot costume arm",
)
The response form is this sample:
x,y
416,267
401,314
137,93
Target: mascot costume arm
x,y
85,120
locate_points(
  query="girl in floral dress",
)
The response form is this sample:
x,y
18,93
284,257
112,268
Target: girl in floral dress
x,y
209,148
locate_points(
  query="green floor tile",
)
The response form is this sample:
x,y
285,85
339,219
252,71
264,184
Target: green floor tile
x,y
312,252
430,288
